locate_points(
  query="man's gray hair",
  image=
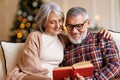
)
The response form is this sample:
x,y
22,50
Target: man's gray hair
x,y
44,12
77,11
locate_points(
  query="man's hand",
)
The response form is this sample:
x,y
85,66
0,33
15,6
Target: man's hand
x,y
79,77
67,78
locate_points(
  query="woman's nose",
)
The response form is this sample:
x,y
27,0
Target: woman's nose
x,y
58,24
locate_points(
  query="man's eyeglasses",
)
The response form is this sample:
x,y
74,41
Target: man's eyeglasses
x,y
77,26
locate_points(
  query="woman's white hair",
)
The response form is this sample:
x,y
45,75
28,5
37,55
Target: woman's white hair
x,y
44,12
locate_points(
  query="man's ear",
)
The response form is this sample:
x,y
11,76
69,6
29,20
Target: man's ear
x,y
88,23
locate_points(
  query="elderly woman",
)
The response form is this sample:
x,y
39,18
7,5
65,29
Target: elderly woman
x,y
43,48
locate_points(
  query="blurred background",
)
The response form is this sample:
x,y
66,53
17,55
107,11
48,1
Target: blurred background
x,y
17,16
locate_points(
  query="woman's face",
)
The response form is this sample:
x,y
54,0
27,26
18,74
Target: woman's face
x,y
54,23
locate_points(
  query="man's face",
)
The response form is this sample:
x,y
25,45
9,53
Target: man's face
x,y
77,26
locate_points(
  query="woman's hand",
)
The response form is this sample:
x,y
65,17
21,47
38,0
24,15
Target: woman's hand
x,y
106,33
13,74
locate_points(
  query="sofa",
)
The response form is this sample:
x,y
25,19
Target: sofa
x,y
10,52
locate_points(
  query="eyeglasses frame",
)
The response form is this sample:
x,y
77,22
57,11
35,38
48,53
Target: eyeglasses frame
x,y
76,26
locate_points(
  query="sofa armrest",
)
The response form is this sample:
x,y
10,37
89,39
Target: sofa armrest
x,y
2,65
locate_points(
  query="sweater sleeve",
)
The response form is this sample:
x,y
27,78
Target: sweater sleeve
x,y
29,62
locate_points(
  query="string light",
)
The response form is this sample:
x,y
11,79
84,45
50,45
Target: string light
x,y
22,25
19,35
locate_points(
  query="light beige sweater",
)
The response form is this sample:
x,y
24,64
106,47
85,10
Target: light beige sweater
x,y
29,60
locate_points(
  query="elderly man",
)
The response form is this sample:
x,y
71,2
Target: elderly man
x,y
87,46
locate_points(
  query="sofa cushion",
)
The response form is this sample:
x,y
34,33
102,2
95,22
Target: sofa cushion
x,y
11,52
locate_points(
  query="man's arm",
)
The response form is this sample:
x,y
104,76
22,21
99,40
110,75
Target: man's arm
x,y
111,67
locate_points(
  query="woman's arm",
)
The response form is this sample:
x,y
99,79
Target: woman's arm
x,y
29,62
106,33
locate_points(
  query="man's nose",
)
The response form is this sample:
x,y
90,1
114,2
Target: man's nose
x,y
74,30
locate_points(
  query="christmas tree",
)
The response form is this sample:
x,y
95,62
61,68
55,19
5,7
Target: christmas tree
x,y
24,21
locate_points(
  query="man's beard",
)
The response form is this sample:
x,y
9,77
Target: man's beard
x,y
82,37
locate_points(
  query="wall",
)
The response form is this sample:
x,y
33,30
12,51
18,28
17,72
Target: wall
x,y
7,11
108,10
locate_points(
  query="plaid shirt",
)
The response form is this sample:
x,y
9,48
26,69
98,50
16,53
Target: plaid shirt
x,y
102,53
